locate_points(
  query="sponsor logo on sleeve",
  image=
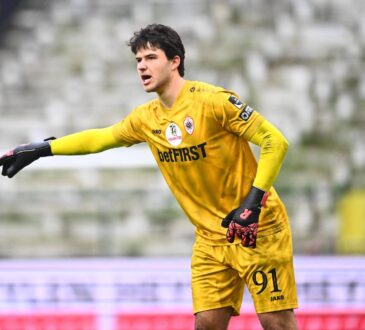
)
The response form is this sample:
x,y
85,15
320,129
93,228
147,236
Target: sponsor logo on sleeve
x,y
236,102
246,113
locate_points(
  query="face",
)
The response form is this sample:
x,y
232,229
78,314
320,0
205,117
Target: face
x,y
155,69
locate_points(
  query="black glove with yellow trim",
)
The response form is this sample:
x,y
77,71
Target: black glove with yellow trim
x,y
15,160
243,221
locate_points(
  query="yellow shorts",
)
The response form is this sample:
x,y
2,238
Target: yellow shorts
x,y
219,274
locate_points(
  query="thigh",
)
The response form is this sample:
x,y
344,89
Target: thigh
x,y
270,279
214,319
280,320
215,284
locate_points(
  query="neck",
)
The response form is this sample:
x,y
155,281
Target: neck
x,y
170,92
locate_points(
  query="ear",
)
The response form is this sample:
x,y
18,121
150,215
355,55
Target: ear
x,y
175,62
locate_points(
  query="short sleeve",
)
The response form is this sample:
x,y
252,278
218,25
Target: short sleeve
x,y
234,115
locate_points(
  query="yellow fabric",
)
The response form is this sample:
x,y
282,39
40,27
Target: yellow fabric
x,y
219,274
273,149
85,142
350,237
201,147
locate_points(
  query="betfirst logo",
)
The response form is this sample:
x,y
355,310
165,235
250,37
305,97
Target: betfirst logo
x,y
174,155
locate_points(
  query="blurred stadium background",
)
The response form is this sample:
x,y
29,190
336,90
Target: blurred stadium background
x,y
71,256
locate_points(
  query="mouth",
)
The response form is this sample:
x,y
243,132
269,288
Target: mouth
x,y
146,79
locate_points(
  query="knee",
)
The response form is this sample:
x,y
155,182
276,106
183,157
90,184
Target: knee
x,y
274,325
203,327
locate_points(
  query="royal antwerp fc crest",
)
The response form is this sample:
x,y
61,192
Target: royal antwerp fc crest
x,y
189,125
173,134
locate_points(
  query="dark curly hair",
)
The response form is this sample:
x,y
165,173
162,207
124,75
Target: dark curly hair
x,y
162,37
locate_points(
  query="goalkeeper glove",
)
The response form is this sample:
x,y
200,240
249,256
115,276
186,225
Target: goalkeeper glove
x,y
243,221
15,160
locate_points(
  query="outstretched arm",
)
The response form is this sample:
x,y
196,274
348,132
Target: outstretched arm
x,y
85,142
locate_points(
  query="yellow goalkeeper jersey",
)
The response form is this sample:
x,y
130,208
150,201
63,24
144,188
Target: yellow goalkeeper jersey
x,y
201,147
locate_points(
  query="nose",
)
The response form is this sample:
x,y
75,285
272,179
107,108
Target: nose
x,y
141,65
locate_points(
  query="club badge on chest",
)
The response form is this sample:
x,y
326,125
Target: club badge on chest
x,y
173,134
189,125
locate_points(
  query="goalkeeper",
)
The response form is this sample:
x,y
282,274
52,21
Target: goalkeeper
x,y
199,135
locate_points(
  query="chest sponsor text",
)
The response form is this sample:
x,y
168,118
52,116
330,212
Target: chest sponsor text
x,y
187,154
